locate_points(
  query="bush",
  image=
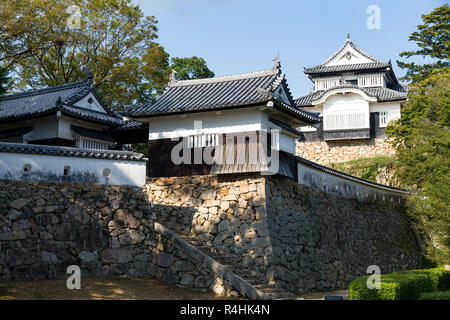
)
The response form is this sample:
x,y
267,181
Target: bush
x,y
404,285
439,295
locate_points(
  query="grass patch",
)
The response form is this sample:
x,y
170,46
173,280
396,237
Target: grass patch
x,y
366,168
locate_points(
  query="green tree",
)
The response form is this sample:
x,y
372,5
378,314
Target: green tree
x,y
3,81
156,71
423,151
191,68
433,41
41,50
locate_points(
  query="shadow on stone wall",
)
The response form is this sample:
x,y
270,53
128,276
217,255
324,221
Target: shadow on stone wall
x,y
107,231
229,217
323,241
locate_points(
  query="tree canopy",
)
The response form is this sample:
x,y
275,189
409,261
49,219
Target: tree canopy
x,y
115,41
42,50
424,162
191,68
422,135
433,42
3,81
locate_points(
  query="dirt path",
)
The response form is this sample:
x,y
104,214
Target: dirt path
x,y
100,289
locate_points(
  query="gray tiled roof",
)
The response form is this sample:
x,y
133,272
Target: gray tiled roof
x,y
347,67
221,93
70,152
47,101
382,94
93,115
131,125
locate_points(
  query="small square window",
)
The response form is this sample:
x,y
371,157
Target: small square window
x,y
67,171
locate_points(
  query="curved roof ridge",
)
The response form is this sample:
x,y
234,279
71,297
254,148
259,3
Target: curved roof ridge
x,y
241,76
381,93
32,93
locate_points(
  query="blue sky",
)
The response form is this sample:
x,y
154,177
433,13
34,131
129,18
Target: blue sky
x,y
238,36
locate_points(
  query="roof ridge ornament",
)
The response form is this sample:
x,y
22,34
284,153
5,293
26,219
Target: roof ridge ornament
x,y
348,37
276,64
59,102
90,77
173,77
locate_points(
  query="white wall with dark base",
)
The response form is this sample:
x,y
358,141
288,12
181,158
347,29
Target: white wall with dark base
x,y
17,166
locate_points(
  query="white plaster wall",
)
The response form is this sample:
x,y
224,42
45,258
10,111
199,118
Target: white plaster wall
x,y
347,104
287,143
229,121
330,183
131,173
341,59
380,107
65,132
45,129
95,105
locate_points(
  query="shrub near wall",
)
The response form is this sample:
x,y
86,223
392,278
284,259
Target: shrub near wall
x,y
406,285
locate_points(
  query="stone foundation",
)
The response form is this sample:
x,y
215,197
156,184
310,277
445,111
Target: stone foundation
x,y
225,213
294,236
322,241
106,231
326,152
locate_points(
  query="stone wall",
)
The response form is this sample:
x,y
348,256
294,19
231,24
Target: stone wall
x,y
107,231
326,152
297,237
224,213
322,241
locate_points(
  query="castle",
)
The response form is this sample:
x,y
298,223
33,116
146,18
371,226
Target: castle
x,y
356,96
224,201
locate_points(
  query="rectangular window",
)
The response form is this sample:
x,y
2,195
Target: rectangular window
x,y
66,171
92,144
388,116
372,80
203,140
345,121
326,83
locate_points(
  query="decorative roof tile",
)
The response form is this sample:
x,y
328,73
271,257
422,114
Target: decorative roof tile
x,y
321,69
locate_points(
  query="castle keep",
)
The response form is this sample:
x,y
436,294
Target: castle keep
x,y
356,96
